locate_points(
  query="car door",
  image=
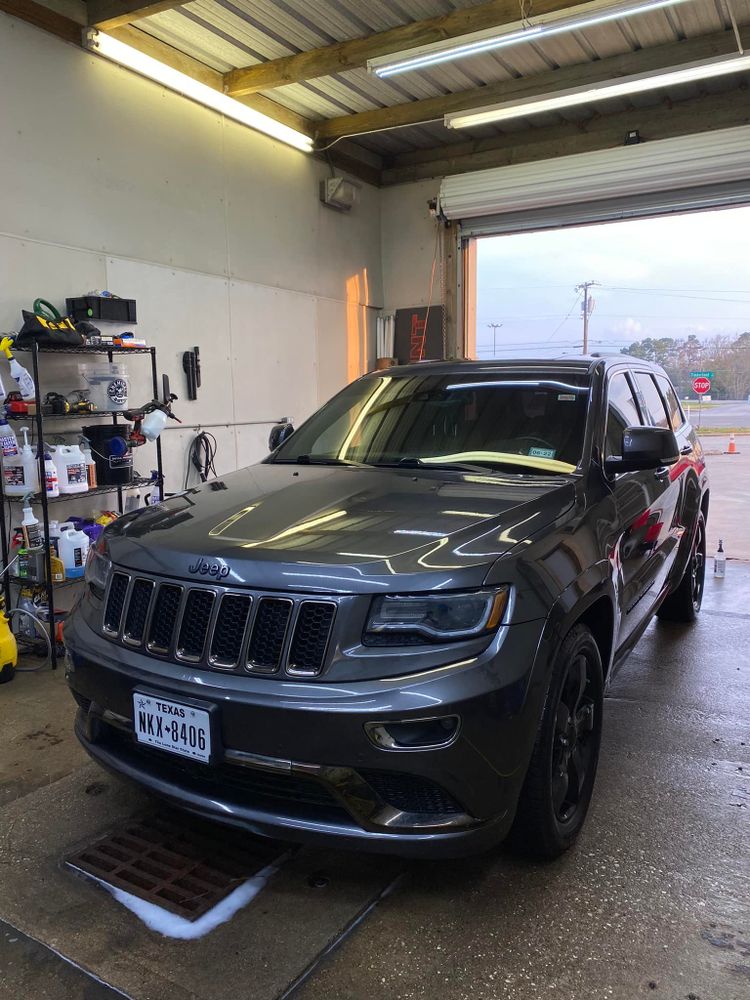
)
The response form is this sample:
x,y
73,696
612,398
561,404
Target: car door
x,y
670,528
639,511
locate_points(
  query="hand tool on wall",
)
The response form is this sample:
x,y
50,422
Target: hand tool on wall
x,y
191,367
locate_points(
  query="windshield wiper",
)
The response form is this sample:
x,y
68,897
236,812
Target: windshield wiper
x,y
316,460
418,463
480,467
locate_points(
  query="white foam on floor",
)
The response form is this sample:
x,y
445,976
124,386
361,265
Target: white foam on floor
x,y
170,925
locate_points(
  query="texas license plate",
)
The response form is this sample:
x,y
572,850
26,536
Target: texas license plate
x,y
169,725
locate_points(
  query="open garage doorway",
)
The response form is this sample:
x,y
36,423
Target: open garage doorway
x,y
669,285
674,289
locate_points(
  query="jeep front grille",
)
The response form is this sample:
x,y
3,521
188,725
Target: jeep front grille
x,y
269,633
218,628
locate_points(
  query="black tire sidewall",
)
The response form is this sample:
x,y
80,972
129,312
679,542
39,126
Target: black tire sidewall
x,y
579,640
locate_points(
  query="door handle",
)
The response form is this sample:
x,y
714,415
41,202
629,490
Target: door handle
x,y
686,449
662,473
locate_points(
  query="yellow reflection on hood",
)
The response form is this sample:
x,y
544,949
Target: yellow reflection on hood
x,y
297,529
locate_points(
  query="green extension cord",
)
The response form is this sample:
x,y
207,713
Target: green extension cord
x,y
44,308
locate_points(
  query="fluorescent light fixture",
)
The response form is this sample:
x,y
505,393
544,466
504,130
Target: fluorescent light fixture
x,y
637,84
125,55
543,26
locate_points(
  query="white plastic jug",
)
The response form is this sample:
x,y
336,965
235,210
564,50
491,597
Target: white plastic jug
x,y
73,547
72,473
21,471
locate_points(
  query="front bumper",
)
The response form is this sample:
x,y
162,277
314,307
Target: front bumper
x,y
297,762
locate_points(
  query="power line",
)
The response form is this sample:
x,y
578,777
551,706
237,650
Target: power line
x,y
562,323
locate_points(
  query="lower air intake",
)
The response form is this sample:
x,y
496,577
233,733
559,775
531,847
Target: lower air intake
x,y
411,793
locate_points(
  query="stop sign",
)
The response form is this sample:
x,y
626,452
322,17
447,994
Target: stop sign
x,y
701,385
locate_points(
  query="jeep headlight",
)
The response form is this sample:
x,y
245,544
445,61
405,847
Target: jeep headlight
x,y
412,618
98,565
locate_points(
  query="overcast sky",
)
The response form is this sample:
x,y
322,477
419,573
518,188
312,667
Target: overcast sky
x,y
664,277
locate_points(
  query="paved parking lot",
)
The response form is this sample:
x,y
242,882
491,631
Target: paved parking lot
x,y
729,514
654,901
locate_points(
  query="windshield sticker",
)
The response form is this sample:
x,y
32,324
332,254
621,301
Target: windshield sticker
x,y
566,397
541,452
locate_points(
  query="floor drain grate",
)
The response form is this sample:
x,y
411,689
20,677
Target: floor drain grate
x,y
182,864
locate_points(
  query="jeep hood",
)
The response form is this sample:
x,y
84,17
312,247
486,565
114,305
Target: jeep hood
x,y
340,529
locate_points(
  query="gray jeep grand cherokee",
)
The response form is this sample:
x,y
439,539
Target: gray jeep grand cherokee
x,y
395,632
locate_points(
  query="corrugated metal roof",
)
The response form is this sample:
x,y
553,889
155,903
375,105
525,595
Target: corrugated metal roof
x,y
228,34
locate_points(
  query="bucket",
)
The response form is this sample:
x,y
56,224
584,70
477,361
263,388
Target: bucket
x,y
113,458
107,384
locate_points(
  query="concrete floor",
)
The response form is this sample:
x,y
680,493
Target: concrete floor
x,y
654,900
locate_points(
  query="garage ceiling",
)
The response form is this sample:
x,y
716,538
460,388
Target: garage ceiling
x,y
395,125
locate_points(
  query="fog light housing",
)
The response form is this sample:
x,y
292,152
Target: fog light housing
x,y
415,734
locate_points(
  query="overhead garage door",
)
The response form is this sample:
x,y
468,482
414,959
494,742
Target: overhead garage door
x,y
688,173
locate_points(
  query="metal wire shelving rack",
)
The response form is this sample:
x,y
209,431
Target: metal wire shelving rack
x,y
41,499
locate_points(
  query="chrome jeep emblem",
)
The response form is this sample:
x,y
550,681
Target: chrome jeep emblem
x,y
216,569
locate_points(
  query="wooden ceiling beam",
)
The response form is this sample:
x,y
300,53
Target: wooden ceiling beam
x,y
43,17
107,14
353,54
649,60
664,121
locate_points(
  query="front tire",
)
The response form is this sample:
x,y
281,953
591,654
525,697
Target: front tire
x,y
557,790
684,603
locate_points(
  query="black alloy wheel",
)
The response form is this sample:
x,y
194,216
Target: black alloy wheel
x,y
574,749
684,603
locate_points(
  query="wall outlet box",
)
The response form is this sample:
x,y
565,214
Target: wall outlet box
x,y
339,193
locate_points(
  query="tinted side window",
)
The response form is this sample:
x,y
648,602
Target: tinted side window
x,y
654,403
622,412
676,416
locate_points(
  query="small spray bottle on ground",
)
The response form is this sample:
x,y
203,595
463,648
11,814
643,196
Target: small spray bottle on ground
x,y
720,560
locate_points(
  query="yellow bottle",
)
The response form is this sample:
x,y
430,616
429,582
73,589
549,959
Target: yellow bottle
x,y
8,647
56,566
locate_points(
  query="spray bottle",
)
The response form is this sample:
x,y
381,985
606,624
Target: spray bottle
x,y
720,560
32,531
24,381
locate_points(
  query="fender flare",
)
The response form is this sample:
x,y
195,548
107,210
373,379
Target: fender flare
x,y
590,586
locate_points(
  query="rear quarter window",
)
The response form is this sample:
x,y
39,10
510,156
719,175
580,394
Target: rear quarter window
x,y
651,397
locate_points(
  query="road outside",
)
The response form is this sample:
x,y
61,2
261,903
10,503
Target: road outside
x,y
729,414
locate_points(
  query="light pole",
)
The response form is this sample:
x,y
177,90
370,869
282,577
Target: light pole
x,y
494,327
587,308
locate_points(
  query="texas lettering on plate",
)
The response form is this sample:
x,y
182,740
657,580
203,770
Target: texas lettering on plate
x,y
181,729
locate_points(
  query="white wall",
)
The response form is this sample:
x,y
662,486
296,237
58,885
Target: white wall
x,y
408,232
109,181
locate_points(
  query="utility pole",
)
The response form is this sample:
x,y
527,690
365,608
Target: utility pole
x,y
494,327
587,307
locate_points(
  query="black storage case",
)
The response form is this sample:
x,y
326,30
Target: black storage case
x,y
102,308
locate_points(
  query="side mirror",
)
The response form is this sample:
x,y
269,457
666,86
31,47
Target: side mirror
x,y
279,433
644,448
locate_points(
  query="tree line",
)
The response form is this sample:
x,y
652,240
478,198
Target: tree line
x,y
727,356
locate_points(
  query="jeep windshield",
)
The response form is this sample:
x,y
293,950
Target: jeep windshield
x,y
468,422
